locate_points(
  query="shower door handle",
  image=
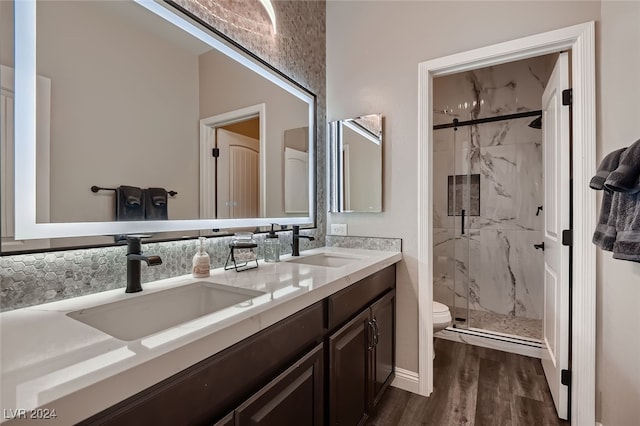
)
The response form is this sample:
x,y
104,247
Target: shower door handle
x,y
539,246
462,214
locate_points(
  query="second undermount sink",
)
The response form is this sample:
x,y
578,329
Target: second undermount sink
x,y
145,314
331,260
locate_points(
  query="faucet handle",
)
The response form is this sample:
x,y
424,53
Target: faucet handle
x,y
134,242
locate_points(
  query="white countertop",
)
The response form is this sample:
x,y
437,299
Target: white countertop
x,y
50,360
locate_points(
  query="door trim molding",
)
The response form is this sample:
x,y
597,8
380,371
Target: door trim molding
x,y
580,39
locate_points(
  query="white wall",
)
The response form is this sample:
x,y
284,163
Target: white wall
x,y
618,327
373,51
6,33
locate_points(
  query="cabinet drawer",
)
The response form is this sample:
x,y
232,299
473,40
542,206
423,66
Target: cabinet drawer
x,y
347,303
293,398
212,388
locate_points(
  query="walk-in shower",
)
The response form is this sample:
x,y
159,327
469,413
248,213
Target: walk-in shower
x,y
487,198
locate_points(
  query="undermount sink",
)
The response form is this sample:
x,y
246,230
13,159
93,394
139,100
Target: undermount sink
x,y
140,316
330,260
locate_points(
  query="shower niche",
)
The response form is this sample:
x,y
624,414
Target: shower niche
x,y
488,185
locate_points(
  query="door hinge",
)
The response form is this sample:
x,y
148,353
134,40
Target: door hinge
x,y
215,152
565,377
567,237
567,97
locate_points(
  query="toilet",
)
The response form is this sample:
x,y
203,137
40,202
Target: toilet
x,y
441,318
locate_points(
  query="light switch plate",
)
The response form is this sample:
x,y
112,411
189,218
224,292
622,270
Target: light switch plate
x,y
339,229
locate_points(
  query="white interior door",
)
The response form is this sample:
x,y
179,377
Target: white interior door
x,y
296,181
238,175
556,140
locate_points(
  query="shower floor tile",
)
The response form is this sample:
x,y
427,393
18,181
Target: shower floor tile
x,y
517,326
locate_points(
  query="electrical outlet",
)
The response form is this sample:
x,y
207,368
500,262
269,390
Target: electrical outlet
x,y
339,229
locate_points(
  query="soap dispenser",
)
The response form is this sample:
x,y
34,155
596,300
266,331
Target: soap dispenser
x,y
272,247
201,262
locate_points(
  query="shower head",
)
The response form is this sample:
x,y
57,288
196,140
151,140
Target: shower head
x,y
537,123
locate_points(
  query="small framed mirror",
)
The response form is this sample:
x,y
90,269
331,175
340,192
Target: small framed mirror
x,y
355,164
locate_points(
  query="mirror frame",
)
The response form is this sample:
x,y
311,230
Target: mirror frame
x,y
335,178
26,226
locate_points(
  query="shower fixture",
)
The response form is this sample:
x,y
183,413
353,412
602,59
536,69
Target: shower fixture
x,y
537,123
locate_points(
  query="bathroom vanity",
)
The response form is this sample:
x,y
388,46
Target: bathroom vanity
x,y
313,342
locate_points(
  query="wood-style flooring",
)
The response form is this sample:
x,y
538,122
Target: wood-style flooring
x,y
474,386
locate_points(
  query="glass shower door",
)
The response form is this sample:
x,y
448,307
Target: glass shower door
x,y
460,192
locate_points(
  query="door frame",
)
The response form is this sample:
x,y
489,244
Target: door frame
x,y
208,142
580,39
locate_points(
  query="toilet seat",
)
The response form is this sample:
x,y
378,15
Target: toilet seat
x,y
439,307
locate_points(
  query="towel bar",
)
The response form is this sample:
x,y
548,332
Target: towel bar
x,y
95,188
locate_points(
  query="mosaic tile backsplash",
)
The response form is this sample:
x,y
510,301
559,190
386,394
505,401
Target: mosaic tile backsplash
x,y
368,243
297,49
32,279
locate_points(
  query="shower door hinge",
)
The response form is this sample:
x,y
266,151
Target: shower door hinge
x,y
567,237
565,377
567,97
215,152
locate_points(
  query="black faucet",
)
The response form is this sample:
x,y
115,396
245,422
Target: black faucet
x,y
134,257
296,240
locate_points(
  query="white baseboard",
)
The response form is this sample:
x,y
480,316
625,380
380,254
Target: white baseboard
x,y
406,380
599,424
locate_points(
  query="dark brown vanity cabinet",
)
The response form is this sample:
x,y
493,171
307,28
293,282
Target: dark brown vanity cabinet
x,y
207,391
361,360
328,363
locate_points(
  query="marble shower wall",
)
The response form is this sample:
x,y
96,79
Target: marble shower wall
x,y
298,51
494,264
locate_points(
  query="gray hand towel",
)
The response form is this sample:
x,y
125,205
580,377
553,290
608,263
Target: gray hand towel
x,y
627,218
607,165
625,178
605,233
129,203
156,204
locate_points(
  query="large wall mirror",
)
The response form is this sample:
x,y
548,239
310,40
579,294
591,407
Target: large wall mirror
x,y
355,162
125,96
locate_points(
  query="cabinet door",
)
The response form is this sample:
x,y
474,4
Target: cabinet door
x,y
382,357
293,398
348,349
